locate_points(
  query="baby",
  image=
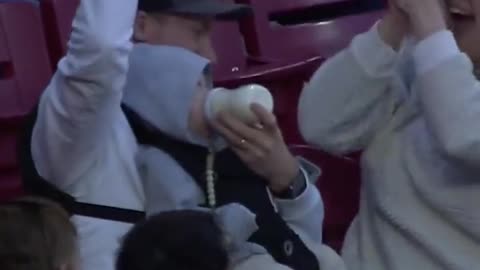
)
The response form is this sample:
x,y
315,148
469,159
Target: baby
x,y
180,240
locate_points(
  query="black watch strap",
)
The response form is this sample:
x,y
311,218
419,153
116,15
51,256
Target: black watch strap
x,y
295,189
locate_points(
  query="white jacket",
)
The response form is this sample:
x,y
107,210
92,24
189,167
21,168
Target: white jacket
x,y
417,115
81,141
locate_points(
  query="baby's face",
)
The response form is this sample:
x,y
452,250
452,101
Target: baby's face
x,y
197,120
465,22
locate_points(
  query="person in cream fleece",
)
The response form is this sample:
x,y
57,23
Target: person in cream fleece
x,y
408,96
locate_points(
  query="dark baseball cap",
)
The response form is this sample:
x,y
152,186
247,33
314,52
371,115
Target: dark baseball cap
x,y
203,8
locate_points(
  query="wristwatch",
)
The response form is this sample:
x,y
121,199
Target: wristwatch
x,y
295,189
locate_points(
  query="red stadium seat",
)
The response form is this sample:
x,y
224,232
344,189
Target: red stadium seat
x,y
271,40
294,5
57,18
285,82
24,73
229,46
327,6
284,78
227,39
234,66
339,185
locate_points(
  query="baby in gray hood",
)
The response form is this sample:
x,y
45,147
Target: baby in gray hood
x,y
166,87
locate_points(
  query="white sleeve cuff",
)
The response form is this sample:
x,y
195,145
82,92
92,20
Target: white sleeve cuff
x,y
434,50
298,207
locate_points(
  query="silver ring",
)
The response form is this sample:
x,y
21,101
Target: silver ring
x,y
259,126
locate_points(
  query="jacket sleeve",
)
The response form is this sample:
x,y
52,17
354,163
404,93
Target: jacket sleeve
x,y
85,92
450,97
305,216
349,96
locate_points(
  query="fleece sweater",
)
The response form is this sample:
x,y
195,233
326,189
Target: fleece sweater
x,y
416,115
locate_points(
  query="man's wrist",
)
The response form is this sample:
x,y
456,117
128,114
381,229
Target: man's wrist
x,y
295,188
283,178
428,23
425,30
392,31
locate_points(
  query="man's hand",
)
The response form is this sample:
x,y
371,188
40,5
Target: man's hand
x,y
394,26
426,16
260,146
467,31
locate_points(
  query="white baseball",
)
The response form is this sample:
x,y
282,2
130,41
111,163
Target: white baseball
x,y
239,101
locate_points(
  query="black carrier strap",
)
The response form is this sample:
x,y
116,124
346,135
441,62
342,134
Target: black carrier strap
x,y
35,185
236,183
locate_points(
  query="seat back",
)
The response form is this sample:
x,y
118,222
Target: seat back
x,y
24,73
57,16
300,40
230,49
339,185
227,39
299,5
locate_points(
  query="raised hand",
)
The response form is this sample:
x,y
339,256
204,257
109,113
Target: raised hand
x,y
426,16
394,26
466,27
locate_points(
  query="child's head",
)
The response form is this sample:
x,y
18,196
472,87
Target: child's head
x,y
178,240
36,235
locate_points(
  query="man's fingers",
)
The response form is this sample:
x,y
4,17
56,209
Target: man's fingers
x,y
238,127
236,130
242,147
266,118
232,138
249,154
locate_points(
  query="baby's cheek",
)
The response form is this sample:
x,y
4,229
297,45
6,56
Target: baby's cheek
x,y
197,114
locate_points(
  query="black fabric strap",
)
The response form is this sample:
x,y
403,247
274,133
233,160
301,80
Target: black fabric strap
x,y
35,185
108,212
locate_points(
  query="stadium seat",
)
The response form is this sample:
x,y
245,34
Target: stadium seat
x,y
24,73
300,5
227,39
234,66
301,39
339,185
285,79
229,46
57,18
285,82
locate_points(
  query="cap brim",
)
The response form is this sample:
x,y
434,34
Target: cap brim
x,y
211,8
